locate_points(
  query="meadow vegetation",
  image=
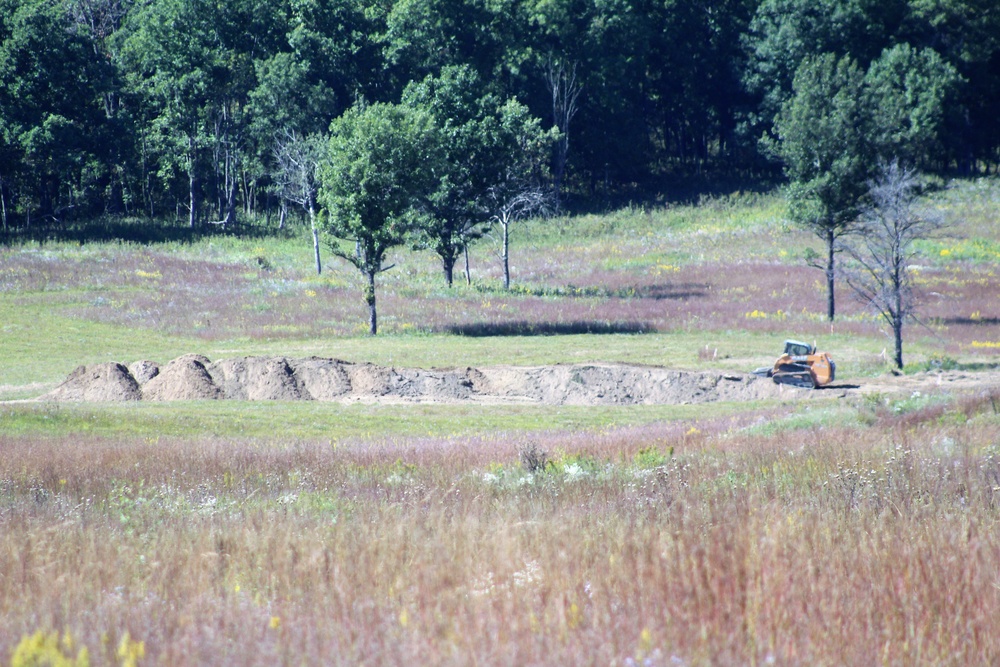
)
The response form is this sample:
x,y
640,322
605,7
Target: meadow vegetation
x,y
865,536
858,530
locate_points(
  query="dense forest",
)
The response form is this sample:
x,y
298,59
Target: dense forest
x,y
201,109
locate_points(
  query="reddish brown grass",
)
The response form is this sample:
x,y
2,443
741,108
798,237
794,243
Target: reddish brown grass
x,y
215,300
834,545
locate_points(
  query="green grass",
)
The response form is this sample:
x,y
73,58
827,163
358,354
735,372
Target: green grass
x,y
282,421
41,342
805,417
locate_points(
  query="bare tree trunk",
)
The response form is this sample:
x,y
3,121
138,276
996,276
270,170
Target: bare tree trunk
x,y
147,190
193,195
468,274
830,302
192,183
897,326
312,221
897,332
448,264
506,256
3,205
370,300
230,218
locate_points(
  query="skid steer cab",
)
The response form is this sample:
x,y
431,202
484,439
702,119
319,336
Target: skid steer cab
x,y
801,366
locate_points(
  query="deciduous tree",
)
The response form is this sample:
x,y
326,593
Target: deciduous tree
x,y
519,187
822,138
53,150
909,94
381,162
489,148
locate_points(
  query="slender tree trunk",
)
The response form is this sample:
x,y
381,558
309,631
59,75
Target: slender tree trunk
x,y
192,157
506,256
448,264
468,273
897,332
830,301
193,194
370,300
282,213
312,221
565,90
562,149
3,205
897,326
230,218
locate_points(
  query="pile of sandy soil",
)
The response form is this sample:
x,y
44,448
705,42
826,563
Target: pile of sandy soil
x,y
100,382
195,377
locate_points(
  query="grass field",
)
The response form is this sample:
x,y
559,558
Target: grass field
x,y
824,532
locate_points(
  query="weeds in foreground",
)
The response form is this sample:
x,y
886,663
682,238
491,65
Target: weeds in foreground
x,y
705,544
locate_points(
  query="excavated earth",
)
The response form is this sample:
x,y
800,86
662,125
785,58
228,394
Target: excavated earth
x,y
195,377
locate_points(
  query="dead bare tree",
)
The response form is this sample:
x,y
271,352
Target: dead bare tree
x,y
509,207
882,248
296,176
565,89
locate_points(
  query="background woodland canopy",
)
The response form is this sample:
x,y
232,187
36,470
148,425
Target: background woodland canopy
x,y
180,108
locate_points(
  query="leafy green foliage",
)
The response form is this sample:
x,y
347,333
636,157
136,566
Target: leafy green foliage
x,y
381,159
785,33
910,95
652,457
490,150
167,108
53,126
821,138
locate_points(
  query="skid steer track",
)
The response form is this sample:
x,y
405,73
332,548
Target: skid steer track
x,y
795,375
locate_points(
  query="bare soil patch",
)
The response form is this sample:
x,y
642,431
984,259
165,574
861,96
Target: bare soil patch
x,y
195,377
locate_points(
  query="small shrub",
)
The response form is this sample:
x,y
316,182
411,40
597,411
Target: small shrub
x,y
533,458
940,362
262,262
652,457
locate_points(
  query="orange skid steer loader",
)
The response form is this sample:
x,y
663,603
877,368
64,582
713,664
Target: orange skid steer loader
x,y
801,366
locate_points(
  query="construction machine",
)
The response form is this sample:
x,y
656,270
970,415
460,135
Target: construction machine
x,y
801,366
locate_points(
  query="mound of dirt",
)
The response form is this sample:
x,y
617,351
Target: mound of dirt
x,y
321,379
99,382
185,378
195,377
256,379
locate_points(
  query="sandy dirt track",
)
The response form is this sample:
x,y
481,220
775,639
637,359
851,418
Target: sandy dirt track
x,y
195,377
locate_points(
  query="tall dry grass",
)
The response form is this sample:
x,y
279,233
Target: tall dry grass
x,y
660,545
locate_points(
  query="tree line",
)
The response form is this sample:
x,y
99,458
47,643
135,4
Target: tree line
x,y
187,107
